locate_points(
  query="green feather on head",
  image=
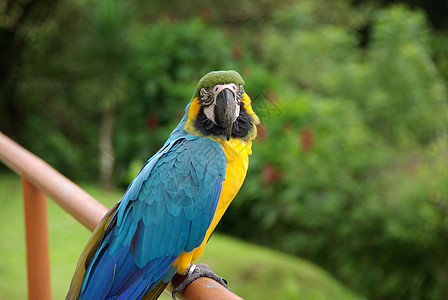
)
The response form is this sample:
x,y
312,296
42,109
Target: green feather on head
x,y
215,77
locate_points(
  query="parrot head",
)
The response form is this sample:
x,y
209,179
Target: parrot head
x,y
221,109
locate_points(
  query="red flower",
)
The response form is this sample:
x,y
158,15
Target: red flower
x,y
237,51
152,121
306,139
168,16
206,14
261,133
269,174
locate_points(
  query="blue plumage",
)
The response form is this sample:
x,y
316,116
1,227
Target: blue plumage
x,y
167,209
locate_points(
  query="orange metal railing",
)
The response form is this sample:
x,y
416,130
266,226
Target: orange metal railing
x,y
39,180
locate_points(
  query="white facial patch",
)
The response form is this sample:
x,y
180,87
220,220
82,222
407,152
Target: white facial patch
x,y
209,110
237,110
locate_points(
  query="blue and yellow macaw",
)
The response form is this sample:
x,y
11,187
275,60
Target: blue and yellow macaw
x,y
169,211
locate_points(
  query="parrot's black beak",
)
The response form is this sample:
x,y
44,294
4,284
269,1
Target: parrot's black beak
x,y
225,111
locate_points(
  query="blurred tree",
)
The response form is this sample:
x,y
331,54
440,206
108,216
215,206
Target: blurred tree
x,y
18,20
406,94
107,54
436,10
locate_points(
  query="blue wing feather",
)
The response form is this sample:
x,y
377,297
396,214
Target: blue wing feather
x,y
167,209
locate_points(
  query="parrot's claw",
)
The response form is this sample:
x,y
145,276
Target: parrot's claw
x,y
194,272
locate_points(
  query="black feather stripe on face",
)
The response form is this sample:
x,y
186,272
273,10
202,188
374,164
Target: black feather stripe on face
x,y
240,129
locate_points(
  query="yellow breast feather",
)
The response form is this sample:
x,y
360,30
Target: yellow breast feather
x,y
237,154
237,151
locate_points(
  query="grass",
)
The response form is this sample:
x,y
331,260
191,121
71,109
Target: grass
x,y
253,272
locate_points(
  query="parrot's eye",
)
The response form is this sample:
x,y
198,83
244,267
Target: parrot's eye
x,y
206,96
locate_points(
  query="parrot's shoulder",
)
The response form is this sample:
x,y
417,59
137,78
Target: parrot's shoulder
x,y
196,147
186,148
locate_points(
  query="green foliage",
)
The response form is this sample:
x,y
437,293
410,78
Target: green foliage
x,y
406,94
107,51
315,53
351,174
350,166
